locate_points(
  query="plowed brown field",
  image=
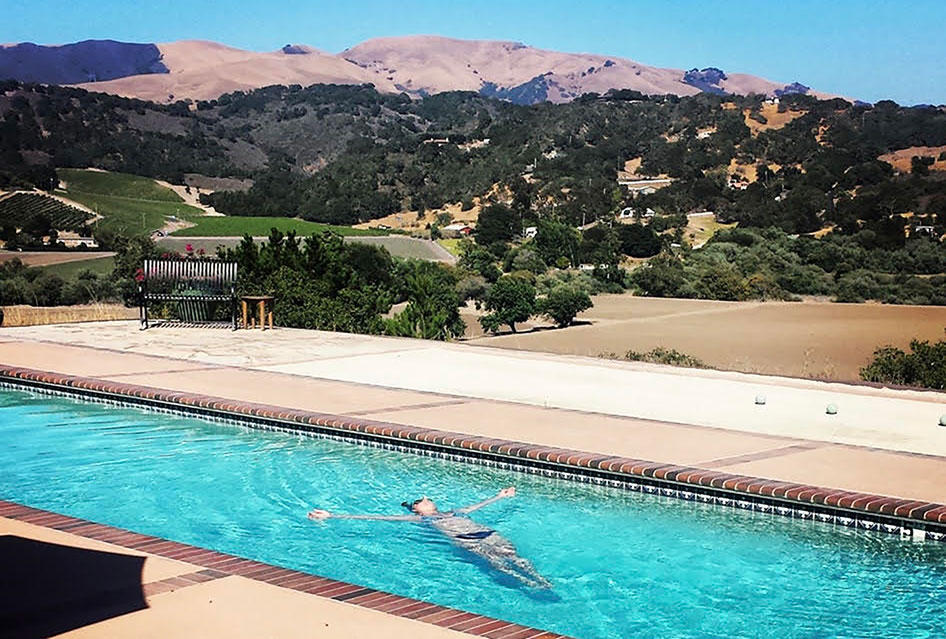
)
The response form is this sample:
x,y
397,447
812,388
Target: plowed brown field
x,y
803,339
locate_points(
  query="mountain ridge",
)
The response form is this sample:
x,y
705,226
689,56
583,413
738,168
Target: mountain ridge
x,y
418,65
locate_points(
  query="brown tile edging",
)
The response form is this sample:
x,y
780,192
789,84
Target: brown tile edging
x,y
176,583
217,565
662,476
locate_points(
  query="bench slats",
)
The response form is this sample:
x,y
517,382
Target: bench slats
x,y
187,281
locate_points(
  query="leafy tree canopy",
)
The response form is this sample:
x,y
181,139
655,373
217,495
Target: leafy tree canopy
x,y
497,223
563,303
509,301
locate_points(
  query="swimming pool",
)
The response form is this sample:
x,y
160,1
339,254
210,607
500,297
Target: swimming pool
x,y
622,564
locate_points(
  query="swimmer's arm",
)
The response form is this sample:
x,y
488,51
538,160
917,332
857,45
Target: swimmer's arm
x,y
324,514
505,492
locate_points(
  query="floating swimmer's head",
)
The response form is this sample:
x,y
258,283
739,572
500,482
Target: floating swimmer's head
x,y
422,506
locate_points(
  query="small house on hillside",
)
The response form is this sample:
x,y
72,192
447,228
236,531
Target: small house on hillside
x,y
457,230
629,213
637,185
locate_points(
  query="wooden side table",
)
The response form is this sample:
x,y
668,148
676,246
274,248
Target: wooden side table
x,y
265,305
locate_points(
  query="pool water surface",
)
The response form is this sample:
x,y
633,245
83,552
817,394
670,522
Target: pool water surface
x,y
622,564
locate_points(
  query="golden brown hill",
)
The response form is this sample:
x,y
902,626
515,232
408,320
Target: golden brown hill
x,y
202,70
419,65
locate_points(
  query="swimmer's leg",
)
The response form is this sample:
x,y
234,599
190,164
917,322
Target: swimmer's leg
x,y
525,566
503,565
502,555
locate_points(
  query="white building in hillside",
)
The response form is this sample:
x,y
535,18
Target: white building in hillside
x,y
629,213
71,239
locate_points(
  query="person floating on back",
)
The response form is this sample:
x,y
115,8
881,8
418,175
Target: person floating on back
x,y
465,533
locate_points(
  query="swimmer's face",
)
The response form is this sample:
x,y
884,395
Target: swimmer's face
x,y
424,507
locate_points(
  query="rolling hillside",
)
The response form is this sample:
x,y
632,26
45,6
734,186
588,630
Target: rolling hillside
x,y
128,204
432,64
417,65
205,70
89,60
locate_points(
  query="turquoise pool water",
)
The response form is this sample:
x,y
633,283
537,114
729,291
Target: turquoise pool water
x,y
622,564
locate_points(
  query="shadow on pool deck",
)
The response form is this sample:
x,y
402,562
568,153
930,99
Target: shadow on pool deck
x,y
48,589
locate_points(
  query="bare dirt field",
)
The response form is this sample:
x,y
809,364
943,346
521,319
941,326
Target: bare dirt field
x,y
801,339
46,258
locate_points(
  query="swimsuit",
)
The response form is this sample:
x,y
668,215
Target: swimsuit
x,y
472,535
479,534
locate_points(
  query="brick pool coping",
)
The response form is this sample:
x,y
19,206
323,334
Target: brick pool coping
x,y
846,505
217,565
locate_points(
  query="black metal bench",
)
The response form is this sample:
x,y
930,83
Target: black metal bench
x,y
196,286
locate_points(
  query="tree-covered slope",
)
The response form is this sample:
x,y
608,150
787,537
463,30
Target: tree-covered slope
x,y
343,154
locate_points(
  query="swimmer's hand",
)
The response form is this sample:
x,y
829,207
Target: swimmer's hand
x,y
509,491
319,514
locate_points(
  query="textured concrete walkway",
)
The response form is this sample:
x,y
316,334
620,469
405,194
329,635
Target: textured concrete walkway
x,y
705,419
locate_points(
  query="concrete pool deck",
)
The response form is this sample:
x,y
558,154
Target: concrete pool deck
x,y
882,442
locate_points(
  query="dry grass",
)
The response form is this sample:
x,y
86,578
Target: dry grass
x,y
631,167
776,119
748,172
21,315
410,221
820,233
900,160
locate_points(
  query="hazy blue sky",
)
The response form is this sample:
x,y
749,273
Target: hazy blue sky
x,y
868,49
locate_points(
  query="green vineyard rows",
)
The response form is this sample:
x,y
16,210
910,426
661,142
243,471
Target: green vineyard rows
x,y
19,209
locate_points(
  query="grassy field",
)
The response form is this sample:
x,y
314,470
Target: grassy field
x,y
801,339
129,204
123,185
260,226
700,228
101,266
451,244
